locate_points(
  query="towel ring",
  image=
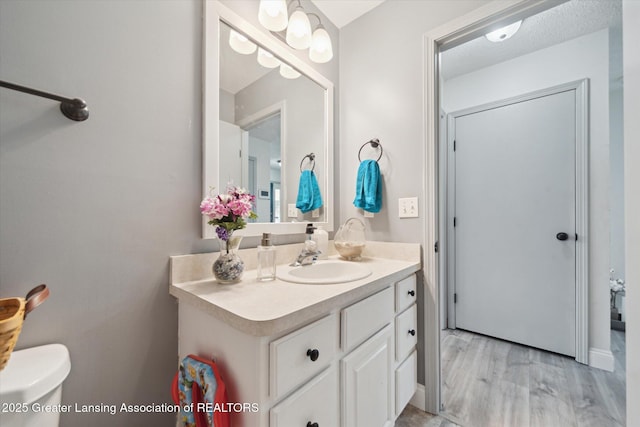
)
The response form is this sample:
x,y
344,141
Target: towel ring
x,y
312,158
375,143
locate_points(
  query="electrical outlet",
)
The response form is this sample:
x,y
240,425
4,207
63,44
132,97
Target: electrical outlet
x,y
368,214
315,213
408,207
292,211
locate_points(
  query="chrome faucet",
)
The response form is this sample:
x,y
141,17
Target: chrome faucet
x,y
309,254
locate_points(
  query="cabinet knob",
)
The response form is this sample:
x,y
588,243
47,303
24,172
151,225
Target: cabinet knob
x,y
310,424
313,355
412,293
412,332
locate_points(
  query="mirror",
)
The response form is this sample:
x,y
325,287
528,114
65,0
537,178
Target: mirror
x,y
266,115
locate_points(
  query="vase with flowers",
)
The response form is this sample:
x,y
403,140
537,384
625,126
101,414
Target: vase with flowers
x,y
228,212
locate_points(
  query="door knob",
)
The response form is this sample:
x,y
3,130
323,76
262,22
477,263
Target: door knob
x,y
562,236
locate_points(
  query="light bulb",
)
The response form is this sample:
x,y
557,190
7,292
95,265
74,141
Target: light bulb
x,y
287,72
299,30
266,59
241,44
503,33
321,50
272,14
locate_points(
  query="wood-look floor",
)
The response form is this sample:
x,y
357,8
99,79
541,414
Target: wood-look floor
x,y
488,382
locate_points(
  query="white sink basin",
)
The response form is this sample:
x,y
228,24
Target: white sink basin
x,y
324,272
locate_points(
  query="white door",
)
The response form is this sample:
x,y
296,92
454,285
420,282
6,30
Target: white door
x,y
515,272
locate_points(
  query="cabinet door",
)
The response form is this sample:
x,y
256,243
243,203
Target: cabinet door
x,y
368,383
406,381
315,403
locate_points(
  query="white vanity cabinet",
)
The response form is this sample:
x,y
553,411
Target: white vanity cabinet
x,y
292,355
355,366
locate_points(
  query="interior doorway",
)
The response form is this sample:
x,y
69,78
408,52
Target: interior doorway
x,y
438,42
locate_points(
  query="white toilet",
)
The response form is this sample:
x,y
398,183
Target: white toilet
x,y
31,386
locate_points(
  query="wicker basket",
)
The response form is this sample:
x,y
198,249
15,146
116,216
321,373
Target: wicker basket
x,y
13,311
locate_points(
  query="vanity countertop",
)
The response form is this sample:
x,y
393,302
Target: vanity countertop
x,y
268,308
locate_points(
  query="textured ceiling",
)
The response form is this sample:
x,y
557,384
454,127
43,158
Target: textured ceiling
x,y
559,24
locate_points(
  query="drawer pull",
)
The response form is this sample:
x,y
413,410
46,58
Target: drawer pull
x,y
313,355
310,424
412,293
412,332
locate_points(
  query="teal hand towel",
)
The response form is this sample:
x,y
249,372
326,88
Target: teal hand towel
x,y
309,197
368,187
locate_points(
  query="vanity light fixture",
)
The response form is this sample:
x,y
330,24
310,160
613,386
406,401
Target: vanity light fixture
x,y
288,72
241,44
298,29
266,59
321,50
503,33
273,14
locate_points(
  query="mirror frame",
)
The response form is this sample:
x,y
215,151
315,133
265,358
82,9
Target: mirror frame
x,y
214,13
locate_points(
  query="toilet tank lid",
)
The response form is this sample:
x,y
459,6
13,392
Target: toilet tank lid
x,y
33,372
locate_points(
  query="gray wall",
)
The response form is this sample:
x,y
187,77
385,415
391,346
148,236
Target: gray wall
x,y
94,209
381,92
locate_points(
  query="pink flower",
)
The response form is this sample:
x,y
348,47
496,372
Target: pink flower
x,y
228,211
240,207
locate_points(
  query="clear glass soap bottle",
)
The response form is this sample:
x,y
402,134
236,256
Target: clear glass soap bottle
x,y
266,259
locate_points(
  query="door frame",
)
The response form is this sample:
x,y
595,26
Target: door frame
x,y
581,150
488,17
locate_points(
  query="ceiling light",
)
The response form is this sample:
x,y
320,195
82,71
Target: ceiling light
x,y
266,59
299,30
273,14
241,44
321,50
503,33
287,72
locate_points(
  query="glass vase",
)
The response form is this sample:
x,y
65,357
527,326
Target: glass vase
x,y
228,268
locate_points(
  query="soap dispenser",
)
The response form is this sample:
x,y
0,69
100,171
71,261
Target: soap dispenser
x,y
322,240
266,259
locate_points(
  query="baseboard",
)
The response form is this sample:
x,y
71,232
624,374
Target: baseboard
x,y
418,398
601,359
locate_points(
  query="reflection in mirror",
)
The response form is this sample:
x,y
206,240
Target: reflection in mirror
x,y
271,116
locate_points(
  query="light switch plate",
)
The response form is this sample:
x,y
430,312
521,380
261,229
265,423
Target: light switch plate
x,y
292,211
408,207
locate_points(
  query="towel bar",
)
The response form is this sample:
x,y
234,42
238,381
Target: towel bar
x,y
74,109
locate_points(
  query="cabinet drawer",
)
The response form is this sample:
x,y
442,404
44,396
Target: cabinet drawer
x,y
300,355
363,319
316,402
406,332
405,293
406,381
